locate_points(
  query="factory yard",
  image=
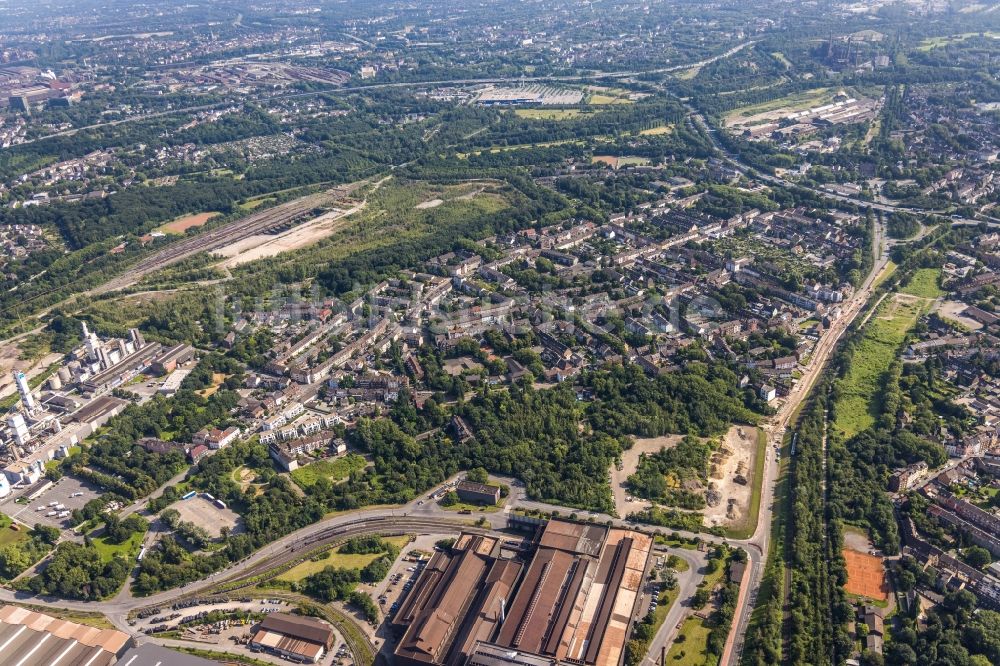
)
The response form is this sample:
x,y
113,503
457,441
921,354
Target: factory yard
x,y
193,625
206,514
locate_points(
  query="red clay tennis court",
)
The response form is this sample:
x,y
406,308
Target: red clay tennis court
x,y
865,575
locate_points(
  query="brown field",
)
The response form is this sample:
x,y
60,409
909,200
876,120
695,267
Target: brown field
x,y
182,224
865,575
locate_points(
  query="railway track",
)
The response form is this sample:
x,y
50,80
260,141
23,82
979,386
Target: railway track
x,y
252,571
280,216
291,553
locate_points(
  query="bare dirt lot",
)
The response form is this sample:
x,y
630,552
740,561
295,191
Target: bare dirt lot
x,y
630,461
741,444
736,458
182,224
260,246
10,360
432,203
204,513
953,310
856,539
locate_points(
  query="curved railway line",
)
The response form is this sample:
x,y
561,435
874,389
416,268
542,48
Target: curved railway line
x,y
299,551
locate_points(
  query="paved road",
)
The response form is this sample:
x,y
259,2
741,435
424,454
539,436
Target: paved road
x,y
757,546
403,84
687,583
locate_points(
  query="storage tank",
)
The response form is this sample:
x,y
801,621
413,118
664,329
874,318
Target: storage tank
x,y
55,383
64,374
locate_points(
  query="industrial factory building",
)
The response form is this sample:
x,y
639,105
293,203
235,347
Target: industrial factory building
x,y
33,639
568,599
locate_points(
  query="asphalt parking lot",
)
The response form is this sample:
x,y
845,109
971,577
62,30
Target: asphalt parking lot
x,y
72,493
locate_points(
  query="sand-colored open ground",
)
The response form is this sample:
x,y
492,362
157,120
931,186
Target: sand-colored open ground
x,y
264,245
182,224
10,361
431,203
630,461
741,443
953,310
866,575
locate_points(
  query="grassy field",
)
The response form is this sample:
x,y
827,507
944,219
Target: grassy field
x,y
339,560
548,114
666,599
604,96
924,284
780,57
689,73
667,540
656,131
8,535
886,273
689,646
945,40
129,549
749,526
691,650
250,204
475,508
336,469
885,332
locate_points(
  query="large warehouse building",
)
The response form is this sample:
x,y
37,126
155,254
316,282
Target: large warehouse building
x,y
571,600
36,639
